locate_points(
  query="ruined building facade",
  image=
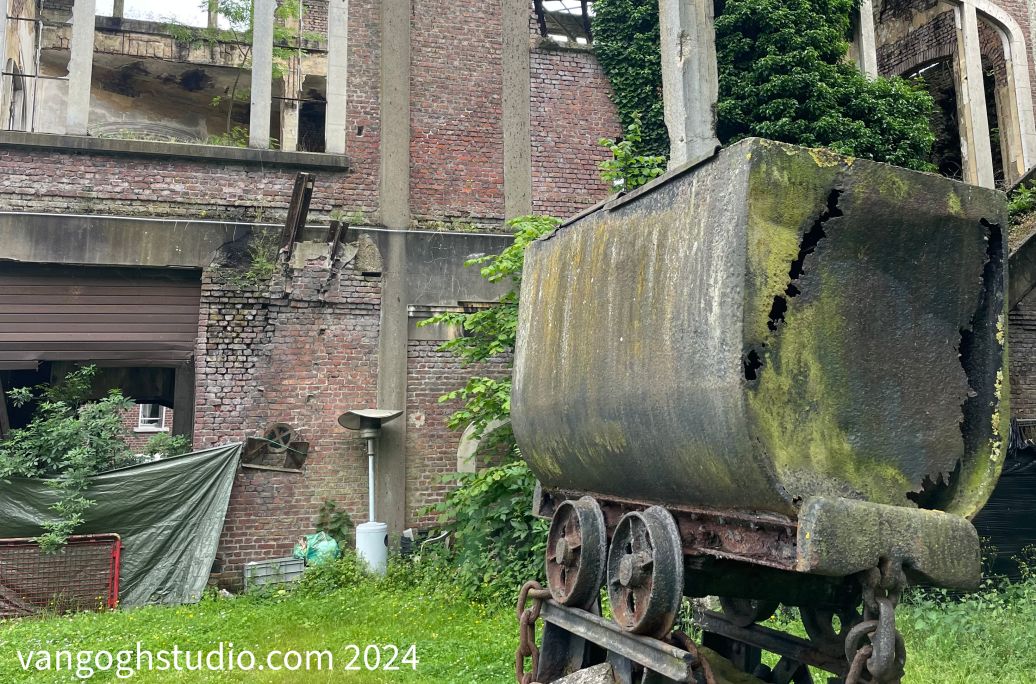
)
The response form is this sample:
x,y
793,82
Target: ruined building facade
x,y
142,162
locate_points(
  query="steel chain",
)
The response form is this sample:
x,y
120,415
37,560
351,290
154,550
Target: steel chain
x,y
527,618
874,648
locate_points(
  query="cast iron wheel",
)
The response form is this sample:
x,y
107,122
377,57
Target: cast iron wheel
x,y
820,626
576,546
645,572
746,612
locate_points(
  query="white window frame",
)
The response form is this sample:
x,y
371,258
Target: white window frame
x,y
147,423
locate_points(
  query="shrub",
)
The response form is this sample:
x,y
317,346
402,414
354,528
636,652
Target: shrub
x,y
628,168
68,440
166,445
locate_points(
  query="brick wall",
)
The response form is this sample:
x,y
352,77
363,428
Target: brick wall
x,y
571,111
314,17
1021,334
430,446
456,145
302,354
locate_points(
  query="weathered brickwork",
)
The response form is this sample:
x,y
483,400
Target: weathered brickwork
x,y
456,144
314,17
431,446
571,112
1021,335
303,354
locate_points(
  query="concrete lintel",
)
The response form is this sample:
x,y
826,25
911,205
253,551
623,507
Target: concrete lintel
x,y
335,130
80,66
690,78
150,148
867,51
112,240
262,74
516,104
971,100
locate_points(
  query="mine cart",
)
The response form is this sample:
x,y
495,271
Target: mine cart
x,y
773,376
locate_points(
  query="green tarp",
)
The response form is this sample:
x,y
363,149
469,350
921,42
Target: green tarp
x,y
169,515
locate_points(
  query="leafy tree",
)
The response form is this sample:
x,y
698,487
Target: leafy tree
x,y
68,440
238,18
783,75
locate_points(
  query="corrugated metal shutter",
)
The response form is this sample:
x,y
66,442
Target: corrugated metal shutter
x,y
116,317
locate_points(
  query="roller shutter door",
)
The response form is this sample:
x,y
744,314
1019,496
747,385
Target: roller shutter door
x,y
116,317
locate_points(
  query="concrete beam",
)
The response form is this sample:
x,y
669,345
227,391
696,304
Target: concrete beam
x,y
971,100
690,79
80,67
335,130
394,194
866,48
262,74
517,96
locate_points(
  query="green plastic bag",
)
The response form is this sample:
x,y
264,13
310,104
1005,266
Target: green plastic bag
x,y
317,548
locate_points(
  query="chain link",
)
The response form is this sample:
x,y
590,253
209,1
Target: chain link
x,y
874,648
527,618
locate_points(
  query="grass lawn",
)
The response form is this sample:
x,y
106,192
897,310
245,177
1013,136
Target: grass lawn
x,y
455,641
985,639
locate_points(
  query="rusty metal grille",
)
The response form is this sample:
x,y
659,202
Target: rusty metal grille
x,y
82,576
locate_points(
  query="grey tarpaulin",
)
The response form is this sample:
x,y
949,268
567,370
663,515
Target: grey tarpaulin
x,y
169,514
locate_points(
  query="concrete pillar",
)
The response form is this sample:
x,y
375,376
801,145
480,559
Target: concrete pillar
x,y
289,125
971,100
335,130
866,49
690,79
80,67
183,401
394,204
262,74
119,9
516,102
213,14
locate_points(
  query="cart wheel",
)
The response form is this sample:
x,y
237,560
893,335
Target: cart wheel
x,y
821,628
645,572
576,547
278,436
746,612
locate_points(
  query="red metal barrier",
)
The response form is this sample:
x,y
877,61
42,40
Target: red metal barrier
x,y
84,575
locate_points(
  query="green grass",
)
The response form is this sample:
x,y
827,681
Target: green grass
x,y
456,641
985,638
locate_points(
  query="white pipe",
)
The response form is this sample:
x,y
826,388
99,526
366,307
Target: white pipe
x,y
370,477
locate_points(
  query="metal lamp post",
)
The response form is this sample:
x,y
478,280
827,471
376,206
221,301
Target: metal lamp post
x,y
371,536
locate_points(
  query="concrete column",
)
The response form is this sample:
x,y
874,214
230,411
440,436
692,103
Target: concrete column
x,y
866,49
690,79
971,100
183,401
80,67
516,102
213,14
394,203
262,74
289,126
335,130
119,9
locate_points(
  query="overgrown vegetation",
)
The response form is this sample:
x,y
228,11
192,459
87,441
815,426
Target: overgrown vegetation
x,y
497,542
782,75
336,522
68,440
627,169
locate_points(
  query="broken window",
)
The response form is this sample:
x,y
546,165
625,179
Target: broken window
x,y
565,21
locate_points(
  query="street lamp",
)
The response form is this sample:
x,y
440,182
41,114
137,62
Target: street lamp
x,y
371,536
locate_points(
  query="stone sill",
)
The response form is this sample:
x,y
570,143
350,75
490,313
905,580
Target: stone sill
x,y
170,150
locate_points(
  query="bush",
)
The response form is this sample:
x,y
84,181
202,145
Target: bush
x,y
782,75
497,543
68,440
165,445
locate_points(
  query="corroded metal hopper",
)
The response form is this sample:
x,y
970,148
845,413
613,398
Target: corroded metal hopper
x,y
771,325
